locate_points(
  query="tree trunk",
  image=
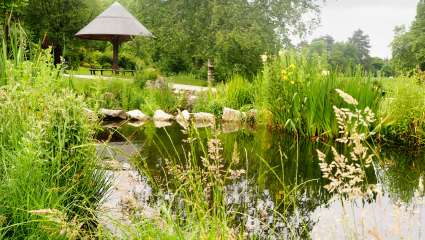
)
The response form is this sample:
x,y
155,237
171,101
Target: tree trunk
x,y
57,53
116,46
210,73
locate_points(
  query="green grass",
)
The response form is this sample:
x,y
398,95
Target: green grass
x,y
187,79
403,111
50,186
86,71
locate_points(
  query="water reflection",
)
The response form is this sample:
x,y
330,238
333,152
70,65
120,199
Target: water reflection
x,y
277,161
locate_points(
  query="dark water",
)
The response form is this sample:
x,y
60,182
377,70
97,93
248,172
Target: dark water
x,y
274,161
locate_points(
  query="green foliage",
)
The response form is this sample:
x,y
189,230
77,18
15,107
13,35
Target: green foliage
x,y
403,109
156,99
48,163
347,56
114,93
237,93
191,32
404,59
187,78
408,45
297,95
209,102
55,22
144,75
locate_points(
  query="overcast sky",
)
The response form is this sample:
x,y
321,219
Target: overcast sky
x,y
377,18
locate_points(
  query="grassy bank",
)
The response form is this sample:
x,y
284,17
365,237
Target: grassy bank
x,y
49,183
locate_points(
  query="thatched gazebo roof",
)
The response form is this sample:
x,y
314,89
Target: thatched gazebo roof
x,y
116,25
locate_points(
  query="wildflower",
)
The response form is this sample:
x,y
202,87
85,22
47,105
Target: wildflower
x,y
292,67
346,97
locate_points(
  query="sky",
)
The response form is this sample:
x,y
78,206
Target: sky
x,y
377,18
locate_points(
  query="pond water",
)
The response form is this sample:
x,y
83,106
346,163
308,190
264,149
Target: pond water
x,y
274,161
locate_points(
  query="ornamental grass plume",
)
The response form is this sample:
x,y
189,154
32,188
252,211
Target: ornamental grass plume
x,y
347,174
57,223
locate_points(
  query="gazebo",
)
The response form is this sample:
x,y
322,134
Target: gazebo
x,y
115,25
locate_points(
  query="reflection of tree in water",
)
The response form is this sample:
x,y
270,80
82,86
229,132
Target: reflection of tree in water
x,y
276,164
400,173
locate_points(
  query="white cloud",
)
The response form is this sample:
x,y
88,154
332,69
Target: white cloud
x,y
377,18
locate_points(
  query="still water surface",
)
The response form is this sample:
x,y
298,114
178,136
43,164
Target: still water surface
x,y
272,158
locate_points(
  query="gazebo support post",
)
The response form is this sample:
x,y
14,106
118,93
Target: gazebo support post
x,y
116,46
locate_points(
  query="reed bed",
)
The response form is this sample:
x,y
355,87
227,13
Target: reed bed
x,y
49,183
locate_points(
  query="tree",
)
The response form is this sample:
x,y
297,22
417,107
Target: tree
x,y
233,33
408,46
361,43
57,21
10,10
403,56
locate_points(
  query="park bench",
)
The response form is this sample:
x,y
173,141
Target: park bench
x,y
117,72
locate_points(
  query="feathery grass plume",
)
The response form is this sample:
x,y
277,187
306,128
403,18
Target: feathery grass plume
x,y
347,174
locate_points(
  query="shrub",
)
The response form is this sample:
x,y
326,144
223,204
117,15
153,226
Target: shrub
x,y
145,75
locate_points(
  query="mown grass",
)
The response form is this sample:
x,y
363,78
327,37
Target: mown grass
x,y
188,79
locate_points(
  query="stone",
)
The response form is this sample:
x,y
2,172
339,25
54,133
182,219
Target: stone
x,y
183,118
91,115
136,124
161,116
109,113
137,115
231,115
202,119
231,127
159,83
162,124
251,117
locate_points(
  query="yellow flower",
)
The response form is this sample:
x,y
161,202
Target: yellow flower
x,y
284,74
292,67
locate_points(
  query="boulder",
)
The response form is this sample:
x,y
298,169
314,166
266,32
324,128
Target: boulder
x,y
91,115
202,119
108,113
137,115
136,124
231,127
183,118
231,115
161,116
251,117
162,124
159,83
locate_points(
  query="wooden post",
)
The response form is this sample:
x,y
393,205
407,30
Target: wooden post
x,y
116,46
210,73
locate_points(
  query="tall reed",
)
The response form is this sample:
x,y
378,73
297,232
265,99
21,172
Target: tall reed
x,y
49,183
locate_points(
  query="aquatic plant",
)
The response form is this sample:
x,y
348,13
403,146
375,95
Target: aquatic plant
x,y
295,92
403,112
347,175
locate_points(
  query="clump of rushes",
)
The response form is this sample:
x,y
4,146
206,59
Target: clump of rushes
x,y
295,92
47,156
403,112
347,175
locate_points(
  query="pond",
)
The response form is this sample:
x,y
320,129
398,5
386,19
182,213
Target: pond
x,y
276,162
